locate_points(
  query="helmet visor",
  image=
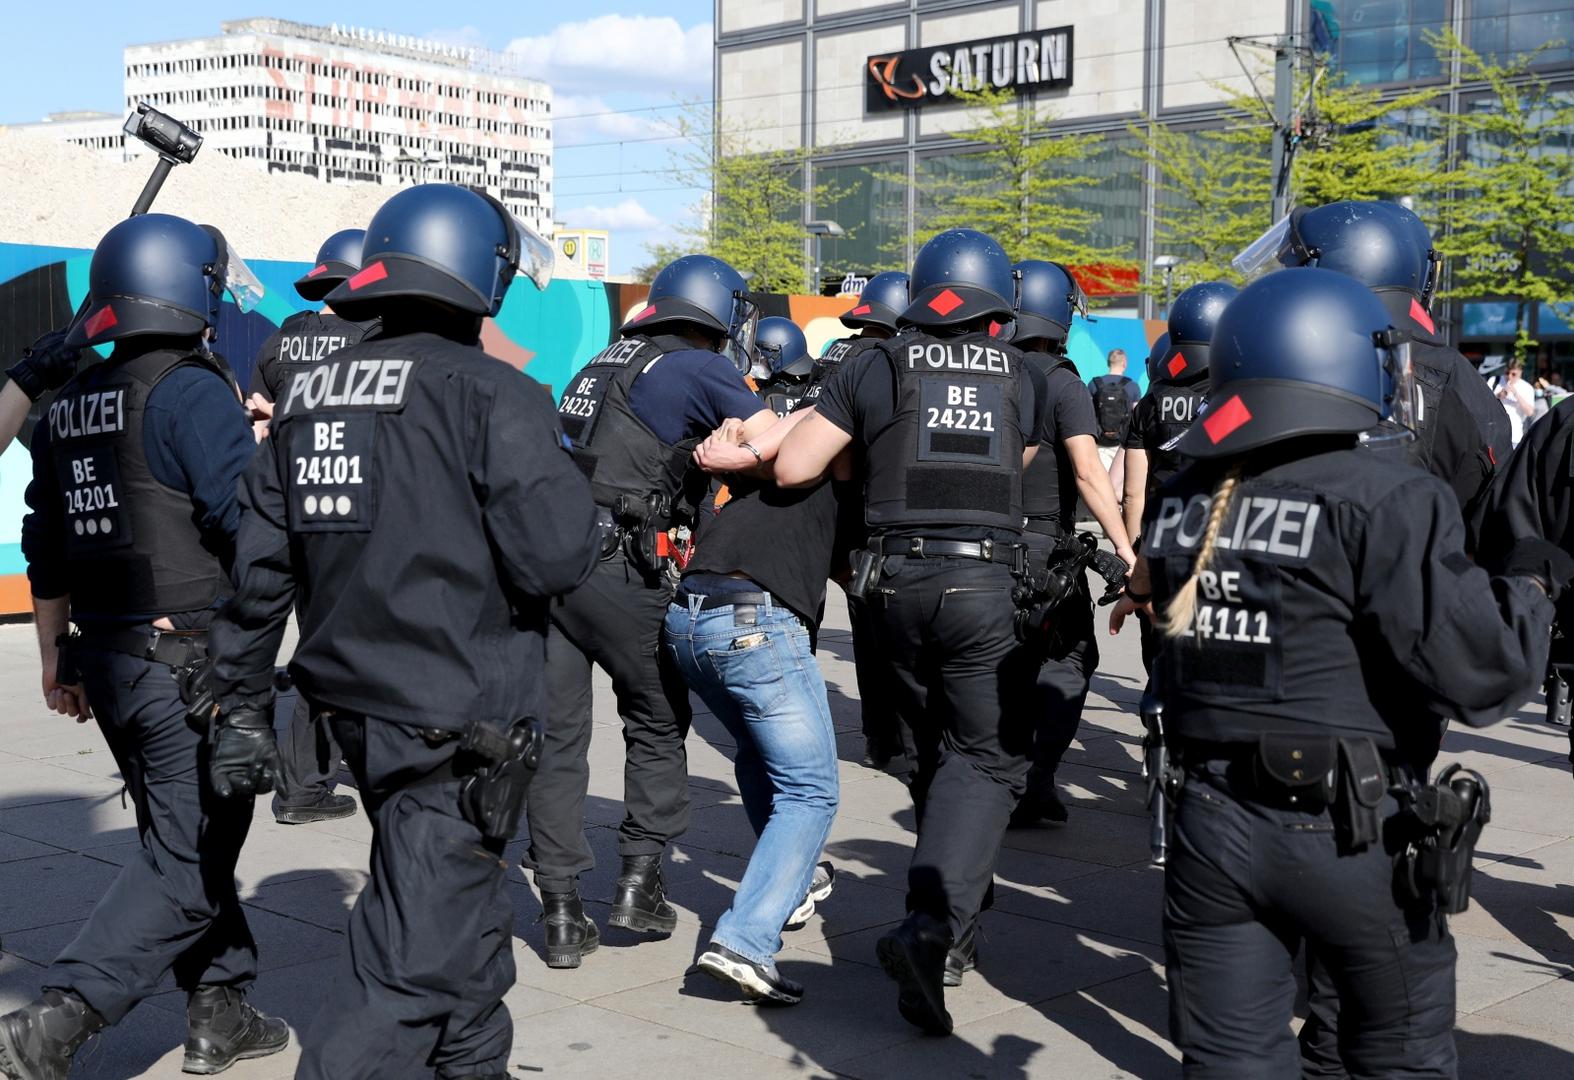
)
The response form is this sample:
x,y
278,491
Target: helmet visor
x,y
739,346
1402,414
1264,254
239,281
536,256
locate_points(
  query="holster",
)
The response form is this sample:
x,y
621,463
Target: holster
x,y
866,566
1445,820
193,681
68,671
492,796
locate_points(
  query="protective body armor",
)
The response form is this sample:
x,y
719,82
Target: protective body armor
x,y
1042,481
305,339
131,542
782,396
614,448
952,454
1174,408
837,353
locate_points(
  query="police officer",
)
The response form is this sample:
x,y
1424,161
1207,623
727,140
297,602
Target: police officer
x,y
786,352
634,414
947,419
1462,434
1317,606
872,320
1067,465
307,337
422,645
130,533
308,755
1177,393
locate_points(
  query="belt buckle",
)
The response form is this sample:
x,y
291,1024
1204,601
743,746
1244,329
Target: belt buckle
x,y
986,550
915,547
154,637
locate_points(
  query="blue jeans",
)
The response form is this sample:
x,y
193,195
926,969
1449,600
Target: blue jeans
x,y
763,684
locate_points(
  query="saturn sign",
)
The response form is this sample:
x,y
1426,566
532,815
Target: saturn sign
x,y
1037,60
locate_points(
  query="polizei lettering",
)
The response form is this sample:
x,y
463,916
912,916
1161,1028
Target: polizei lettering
x,y
75,417
350,384
958,356
310,348
1271,525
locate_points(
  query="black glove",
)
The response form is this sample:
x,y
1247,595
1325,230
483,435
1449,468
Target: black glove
x,y
46,364
1548,564
243,753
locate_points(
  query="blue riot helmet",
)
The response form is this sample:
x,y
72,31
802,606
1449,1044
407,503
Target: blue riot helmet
x,y
1048,296
881,303
337,259
1380,244
1158,355
1193,317
160,274
783,347
446,244
702,291
959,276
1304,353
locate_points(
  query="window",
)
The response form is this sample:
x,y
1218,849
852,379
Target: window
x,y
869,200
1380,41
1503,29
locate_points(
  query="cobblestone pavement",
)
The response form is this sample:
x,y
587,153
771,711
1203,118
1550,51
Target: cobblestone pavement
x,y
1070,980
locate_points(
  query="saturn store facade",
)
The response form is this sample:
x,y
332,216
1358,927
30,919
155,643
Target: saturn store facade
x,y
863,86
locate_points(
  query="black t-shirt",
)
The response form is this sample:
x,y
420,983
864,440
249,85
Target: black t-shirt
x,y
1158,422
1049,487
860,399
781,538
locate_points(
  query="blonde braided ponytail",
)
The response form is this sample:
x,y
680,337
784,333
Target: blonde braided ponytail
x,y
1182,607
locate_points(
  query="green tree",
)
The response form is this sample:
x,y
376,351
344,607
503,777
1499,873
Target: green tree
x,y
1020,193
752,213
1510,193
1352,149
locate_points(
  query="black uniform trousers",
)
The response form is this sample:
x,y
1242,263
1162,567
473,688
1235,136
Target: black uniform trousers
x,y
1246,884
614,619
961,677
1071,657
428,957
880,720
173,906
309,759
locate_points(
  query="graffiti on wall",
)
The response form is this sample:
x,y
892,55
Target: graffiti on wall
x,y
548,334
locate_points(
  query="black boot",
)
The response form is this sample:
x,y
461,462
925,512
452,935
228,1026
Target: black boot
x,y
962,958
571,934
641,902
1040,802
38,1040
325,807
223,1029
914,954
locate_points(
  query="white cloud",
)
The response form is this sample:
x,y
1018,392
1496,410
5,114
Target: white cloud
x,y
626,216
577,120
642,53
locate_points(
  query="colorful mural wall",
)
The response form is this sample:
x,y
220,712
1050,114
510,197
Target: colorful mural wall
x,y
549,334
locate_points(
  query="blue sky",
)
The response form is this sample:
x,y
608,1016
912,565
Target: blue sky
x,y
616,65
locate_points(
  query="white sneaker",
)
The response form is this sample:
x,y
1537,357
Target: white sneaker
x,y
819,891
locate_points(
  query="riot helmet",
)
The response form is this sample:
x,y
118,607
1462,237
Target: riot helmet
x,y
1048,296
1303,353
1193,316
959,276
1158,355
880,303
783,348
1380,244
443,243
337,259
702,291
161,274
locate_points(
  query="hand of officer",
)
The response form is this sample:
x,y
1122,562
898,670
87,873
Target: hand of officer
x,y
1127,555
46,364
259,407
67,700
244,755
721,452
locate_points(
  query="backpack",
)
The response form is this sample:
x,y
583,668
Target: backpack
x,y
1111,407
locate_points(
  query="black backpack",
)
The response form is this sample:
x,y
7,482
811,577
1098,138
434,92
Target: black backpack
x,y
1111,407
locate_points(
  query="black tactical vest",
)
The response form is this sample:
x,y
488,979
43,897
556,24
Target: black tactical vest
x,y
132,544
1048,484
1174,410
952,453
782,396
305,339
614,448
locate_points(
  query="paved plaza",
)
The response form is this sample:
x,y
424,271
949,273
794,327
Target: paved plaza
x,y
1070,980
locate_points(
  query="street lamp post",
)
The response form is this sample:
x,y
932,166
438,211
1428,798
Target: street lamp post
x,y
820,230
1167,263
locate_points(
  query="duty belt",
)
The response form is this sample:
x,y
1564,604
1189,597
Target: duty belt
x,y
1045,527
176,648
918,547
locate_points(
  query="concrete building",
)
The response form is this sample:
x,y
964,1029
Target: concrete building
x,y
345,105
861,85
